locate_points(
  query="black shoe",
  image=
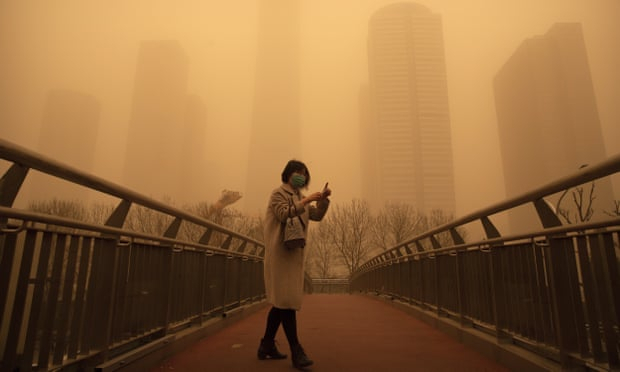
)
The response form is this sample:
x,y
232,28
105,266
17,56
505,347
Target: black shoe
x,y
300,359
268,350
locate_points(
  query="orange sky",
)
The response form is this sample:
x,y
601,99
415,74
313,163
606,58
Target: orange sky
x,y
92,47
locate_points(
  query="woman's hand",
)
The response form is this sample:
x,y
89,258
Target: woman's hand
x,y
326,193
316,196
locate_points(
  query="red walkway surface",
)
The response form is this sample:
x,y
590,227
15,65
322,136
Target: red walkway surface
x,y
340,333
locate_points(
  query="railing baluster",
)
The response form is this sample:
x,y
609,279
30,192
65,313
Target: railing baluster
x,y
78,327
20,299
33,341
65,301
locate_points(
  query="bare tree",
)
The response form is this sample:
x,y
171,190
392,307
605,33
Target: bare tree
x,y
216,213
258,231
242,224
395,222
73,209
145,220
615,212
100,212
438,217
349,231
321,255
582,201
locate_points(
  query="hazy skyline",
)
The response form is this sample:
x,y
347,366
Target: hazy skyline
x,y
156,134
92,48
275,127
545,105
406,154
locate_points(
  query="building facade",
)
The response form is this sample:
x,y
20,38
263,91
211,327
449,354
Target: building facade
x,y
547,116
68,134
407,146
153,161
275,134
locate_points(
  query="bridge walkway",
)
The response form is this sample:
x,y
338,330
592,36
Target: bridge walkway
x,y
340,332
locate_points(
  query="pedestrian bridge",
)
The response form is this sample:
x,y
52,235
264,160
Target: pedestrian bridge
x,y
81,296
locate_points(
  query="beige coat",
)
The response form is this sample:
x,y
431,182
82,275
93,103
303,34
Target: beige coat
x,y
284,269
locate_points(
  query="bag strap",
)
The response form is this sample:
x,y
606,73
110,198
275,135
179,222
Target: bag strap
x,y
303,225
291,205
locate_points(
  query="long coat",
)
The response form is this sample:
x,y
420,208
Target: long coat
x,y
283,268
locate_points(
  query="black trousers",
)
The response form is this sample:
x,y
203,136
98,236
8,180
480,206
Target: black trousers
x,y
288,319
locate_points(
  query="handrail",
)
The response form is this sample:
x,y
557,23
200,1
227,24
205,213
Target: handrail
x,y
554,291
73,292
31,159
583,175
552,231
114,231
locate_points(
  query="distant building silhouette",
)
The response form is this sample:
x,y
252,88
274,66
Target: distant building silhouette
x,y
547,116
407,146
68,134
199,175
275,136
153,163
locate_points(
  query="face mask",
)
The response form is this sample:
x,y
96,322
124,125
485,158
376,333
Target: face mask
x,y
298,180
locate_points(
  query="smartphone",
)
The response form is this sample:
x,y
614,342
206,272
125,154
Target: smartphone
x,y
324,189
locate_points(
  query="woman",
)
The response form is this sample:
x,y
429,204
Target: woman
x,y
284,268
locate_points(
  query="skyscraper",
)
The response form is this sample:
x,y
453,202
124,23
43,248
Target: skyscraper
x,y
547,116
198,176
275,136
153,162
68,134
69,128
407,132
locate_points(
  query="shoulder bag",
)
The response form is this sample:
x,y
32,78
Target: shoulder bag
x,y
294,230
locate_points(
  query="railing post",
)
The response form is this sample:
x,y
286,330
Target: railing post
x,y
110,244
497,289
435,260
169,275
460,280
560,263
607,279
11,182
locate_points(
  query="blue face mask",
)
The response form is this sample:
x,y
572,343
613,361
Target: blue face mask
x,y
298,180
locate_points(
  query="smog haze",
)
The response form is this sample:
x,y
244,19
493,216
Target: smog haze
x,y
93,47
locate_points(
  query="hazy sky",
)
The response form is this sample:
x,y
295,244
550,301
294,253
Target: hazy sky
x,y
92,46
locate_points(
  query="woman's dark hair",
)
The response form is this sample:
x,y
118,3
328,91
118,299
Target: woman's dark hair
x,y
295,166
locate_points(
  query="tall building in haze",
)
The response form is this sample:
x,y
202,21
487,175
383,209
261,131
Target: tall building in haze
x,y
68,134
198,175
547,116
153,161
407,146
275,136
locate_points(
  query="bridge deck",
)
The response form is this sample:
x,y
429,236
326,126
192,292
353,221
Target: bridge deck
x,y
340,333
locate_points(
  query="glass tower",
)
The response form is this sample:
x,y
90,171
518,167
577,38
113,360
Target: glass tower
x,y
407,146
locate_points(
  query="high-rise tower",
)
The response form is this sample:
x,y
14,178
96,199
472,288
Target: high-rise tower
x,y
275,136
407,132
547,116
69,128
199,174
68,134
153,162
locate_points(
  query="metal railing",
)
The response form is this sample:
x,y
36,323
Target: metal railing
x,y
330,285
555,292
74,294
